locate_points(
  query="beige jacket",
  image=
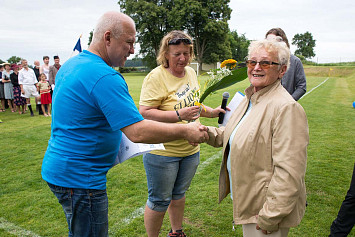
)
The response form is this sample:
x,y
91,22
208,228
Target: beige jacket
x,y
268,159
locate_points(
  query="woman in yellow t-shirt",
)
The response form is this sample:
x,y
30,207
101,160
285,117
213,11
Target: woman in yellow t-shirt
x,y
168,96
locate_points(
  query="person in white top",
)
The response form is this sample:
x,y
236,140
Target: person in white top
x,y
45,67
28,83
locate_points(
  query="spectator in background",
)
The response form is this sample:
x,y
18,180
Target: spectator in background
x,y
36,69
2,93
53,71
28,82
294,79
8,87
19,101
44,89
45,67
345,221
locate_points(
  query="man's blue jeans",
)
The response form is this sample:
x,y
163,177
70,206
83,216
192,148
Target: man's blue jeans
x,y
86,210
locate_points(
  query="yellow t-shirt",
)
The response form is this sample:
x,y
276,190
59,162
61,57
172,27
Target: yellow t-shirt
x,y
160,88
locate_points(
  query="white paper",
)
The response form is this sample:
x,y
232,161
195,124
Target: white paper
x,y
129,149
233,104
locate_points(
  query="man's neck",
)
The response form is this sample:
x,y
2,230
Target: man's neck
x,y
100,50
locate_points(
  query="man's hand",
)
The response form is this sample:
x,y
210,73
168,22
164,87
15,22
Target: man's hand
x,y
197,133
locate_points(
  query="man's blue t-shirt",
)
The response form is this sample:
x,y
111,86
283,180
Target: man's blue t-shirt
x,y
91,104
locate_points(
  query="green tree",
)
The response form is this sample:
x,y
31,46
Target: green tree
x,y
305,44
90,37
14,60
239,45
153,19
205,21
1,62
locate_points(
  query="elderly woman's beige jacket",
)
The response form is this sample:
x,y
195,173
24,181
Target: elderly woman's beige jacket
x,y
268,159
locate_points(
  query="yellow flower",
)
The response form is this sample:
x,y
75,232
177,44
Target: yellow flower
x,y
229,63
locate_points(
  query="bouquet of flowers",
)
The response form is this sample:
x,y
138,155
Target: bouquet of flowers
x,y
221,78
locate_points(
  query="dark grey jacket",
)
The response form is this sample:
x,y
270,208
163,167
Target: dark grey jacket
x,y
294,79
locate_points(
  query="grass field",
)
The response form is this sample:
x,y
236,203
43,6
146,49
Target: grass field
x,y
28,208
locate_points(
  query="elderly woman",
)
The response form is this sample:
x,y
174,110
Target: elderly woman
x,y
167,95
19,101
8,88
265,148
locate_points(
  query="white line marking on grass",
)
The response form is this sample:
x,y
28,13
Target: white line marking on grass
x,y
208,161
15,230
315,87
140,211
137,213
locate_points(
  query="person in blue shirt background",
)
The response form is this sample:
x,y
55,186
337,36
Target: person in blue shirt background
x,y
91,109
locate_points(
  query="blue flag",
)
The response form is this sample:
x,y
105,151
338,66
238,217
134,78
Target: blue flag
x,y
78,46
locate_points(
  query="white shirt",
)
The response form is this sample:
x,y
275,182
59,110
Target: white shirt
x,y
27,77
45,70
229,168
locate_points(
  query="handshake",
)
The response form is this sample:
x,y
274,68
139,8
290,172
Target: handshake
x,y
196,133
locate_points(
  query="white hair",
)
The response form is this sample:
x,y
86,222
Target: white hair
x,y
273,46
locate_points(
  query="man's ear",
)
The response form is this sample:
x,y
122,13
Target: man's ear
x,y
107,38
282,71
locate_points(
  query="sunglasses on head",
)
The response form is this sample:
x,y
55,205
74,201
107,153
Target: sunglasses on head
x,y
177,41
263,64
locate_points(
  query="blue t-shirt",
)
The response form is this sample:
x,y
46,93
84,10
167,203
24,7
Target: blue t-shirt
x,y
91,104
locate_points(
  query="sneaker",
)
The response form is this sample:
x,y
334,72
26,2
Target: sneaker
x,y
178,233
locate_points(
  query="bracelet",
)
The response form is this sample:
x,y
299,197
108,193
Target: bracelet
x,y
211,113
177,113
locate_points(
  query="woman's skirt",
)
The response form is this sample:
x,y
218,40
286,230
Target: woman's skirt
x,y
9,91
18,99
46,98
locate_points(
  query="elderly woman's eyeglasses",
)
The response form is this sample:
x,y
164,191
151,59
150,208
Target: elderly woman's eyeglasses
x,y
263,64
177,41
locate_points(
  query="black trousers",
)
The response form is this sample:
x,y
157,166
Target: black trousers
x,y
345,220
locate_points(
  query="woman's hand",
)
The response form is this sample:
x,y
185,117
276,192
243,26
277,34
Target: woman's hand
x,y
265,232
190,113
215,112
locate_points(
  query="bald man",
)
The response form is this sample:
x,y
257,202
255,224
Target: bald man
x,y
91,109
36,69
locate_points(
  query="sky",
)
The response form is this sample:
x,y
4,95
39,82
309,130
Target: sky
x,y
33,29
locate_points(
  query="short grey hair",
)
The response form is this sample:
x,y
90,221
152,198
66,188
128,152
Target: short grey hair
x,y
110,21
272,46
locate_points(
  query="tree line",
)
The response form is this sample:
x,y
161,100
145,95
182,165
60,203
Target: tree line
x,y
206,21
